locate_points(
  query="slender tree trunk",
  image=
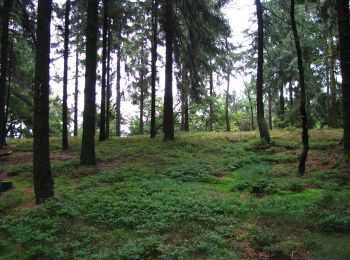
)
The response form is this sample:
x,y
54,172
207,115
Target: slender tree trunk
x,y
251,110
270,106
154,68
142,91
332,82
168,122
184,100
76,92
118,101
65,79
344,43
109,90
291,102
8,95
102,135
303,113
87,155
282,105
263,129
211,109
7,4
227,115
43,181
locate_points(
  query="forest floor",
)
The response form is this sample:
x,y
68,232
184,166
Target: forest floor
x,y
206,195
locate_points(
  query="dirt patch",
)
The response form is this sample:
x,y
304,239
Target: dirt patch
x,y
28,205
19,158
63,156
28,191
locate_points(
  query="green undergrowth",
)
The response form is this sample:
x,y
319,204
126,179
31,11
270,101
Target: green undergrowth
x,y
204,196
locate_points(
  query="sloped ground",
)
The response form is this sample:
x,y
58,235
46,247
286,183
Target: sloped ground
x,y
207,195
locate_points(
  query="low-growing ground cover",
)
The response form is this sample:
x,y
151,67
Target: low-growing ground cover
x,y
206,195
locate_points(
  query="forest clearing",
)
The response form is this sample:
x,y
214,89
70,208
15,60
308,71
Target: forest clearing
x,y
207,195
174,129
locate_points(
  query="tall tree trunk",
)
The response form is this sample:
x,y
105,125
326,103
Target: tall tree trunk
x,y
7,4
332,82
184,100
87,155
65,79
118,101
251,110
303,113
76,91
269,94
109,90
282,104
344,43
168,122
291,101
211,109
8,95
142,91
43,181
227,115
154,68
102,135
263,129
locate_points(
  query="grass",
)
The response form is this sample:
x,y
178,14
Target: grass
x,y
204,196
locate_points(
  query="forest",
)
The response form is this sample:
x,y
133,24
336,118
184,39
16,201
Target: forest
x,y
174,129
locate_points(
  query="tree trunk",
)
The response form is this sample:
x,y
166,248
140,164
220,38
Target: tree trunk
x,y
291,102
154,68
211,112
184,101
270,106
332,82
227,115
7,4
87,155
65,79
109,90
282,112
142,91
76,92
344,43
251,110
102,135
264,131
43,181
118,101
168,122
303,113
8,95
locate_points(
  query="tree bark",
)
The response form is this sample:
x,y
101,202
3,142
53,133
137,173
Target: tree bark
x,y
87,155
65,79
332,82
344,43
303,113
184,101
269,93
168,121
102,135
43,181
263,129
282,112
7,4
291,102
8,94
76,92
211,109
142,90
227,115
154,67
109,90
118,113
